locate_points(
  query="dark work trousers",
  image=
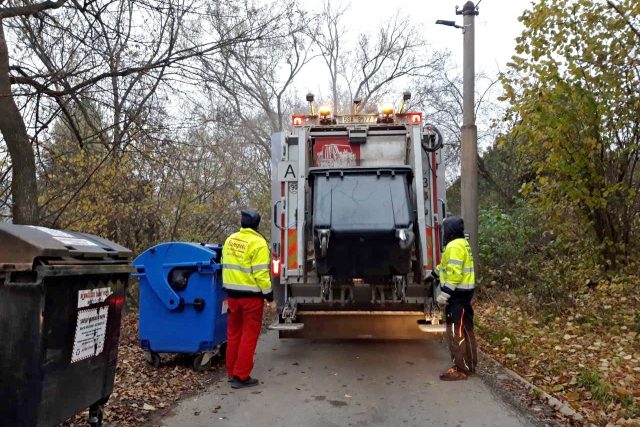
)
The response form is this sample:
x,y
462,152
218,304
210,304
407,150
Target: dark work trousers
x,y
460,336
244,323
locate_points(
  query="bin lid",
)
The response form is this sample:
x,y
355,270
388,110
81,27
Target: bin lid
x,y
182,254
21,245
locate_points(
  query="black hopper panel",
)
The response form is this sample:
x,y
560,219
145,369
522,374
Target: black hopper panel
x,y
357,217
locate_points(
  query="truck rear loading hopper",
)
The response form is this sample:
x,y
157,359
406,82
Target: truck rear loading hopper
x,y
357,205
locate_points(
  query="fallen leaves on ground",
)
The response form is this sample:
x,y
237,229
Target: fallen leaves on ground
x,y
588,356
141,391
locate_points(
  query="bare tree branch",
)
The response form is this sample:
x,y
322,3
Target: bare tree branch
x,y
30,9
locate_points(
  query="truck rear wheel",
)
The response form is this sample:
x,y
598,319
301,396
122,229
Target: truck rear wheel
x,y
278,293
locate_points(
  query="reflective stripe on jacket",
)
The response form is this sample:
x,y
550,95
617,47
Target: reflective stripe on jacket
x,y
456,268
245,264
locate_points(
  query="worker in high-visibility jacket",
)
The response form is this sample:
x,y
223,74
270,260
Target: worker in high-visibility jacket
x,y
246,279
457,284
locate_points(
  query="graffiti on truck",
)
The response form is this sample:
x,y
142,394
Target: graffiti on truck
x,y
336,155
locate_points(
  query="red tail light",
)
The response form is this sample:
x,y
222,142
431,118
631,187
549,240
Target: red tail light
x,y
297,120
275,266
415,118
118,301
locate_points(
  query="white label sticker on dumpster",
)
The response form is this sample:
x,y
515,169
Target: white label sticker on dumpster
x,y
87,297
73,241
63,237
51,231
90,333
225,307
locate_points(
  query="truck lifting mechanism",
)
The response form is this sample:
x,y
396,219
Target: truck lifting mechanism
x,y
358,200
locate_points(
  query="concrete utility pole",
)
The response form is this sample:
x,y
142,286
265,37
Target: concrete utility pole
x,y
469,149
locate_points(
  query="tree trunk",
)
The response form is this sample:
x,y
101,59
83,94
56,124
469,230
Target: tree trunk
x,y
24,189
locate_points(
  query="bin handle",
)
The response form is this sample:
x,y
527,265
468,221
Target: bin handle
x,y
201,267
161,287
275,215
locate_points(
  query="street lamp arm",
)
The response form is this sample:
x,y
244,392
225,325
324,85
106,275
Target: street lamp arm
x,y
448,23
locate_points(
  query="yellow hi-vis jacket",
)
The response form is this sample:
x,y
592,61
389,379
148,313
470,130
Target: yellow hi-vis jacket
x,y
245,265
456,267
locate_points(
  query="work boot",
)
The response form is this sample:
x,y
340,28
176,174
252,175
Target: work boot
x,y
249,382
453,374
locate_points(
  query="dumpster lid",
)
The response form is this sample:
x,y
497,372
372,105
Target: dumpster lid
x,y
21,245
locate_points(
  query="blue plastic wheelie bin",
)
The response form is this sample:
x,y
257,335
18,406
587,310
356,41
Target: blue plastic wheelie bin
x,y
182,303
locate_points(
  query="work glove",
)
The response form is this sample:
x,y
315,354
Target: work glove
x,y
443,298
432,276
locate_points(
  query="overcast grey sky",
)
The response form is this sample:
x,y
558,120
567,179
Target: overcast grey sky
x,y
497,26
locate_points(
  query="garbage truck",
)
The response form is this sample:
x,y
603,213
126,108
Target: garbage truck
x,y
358,200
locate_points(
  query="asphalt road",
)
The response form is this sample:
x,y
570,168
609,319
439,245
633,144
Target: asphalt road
x,y
348,383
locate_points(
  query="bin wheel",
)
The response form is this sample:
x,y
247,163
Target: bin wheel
x,y
222,351
152,359
95,416
198,366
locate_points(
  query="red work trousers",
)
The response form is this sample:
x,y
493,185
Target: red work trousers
x,y
244,323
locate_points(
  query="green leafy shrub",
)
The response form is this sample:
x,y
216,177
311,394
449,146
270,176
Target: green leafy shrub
x,y
518,252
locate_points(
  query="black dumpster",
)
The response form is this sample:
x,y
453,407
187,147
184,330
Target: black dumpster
x,y
61,298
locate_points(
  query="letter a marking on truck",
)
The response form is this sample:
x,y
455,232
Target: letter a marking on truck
x,y
289,171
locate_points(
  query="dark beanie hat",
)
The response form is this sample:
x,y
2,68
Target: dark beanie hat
x,y
452,228
249,219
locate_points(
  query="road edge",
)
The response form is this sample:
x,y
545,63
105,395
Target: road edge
x,y
566,411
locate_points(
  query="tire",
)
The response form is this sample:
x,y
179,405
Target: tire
x,y
223,351
197,363
278,293
152,359
95,416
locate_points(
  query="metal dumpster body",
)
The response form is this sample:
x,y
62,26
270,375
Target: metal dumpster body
x,y
61,298
182,307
